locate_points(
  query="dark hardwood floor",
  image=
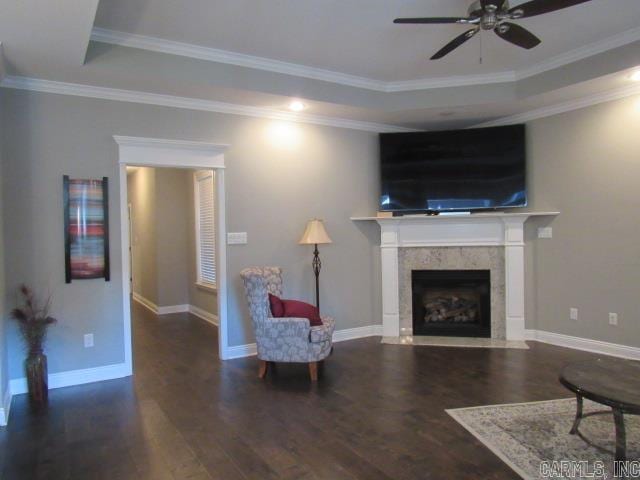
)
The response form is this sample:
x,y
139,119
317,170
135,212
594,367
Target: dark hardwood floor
x,y
377,412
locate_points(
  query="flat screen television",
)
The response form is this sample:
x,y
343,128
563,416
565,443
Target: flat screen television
x,y
457,170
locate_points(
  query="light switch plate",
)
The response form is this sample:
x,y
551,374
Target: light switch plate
x,y
573,313
613,319
237,238
545,232
88,340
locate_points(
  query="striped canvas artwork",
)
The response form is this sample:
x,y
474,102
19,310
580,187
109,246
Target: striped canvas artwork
x,y
86,229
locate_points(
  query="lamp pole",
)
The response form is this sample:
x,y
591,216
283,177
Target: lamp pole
x,y
317,265
315,234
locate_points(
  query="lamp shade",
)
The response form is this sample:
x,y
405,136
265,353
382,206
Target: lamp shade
x,y
314,233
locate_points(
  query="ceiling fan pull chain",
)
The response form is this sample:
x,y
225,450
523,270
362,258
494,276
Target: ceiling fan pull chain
x,y
480,48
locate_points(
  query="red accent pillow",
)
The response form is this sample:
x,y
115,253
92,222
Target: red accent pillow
x,y
294,308
277,307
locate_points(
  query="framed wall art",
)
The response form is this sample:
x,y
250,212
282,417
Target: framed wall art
x,y
86,228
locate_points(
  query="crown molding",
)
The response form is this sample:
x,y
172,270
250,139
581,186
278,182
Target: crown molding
x,y
171,47
586,51
447,82
276,66
106,93
568,106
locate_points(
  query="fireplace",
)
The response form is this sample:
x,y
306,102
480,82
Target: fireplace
x,y
453,303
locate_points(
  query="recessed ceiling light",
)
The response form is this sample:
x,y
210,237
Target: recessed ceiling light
x,y
635,76
297,106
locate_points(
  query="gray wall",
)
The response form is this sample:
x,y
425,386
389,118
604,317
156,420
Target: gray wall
x,y
45,139
276,181
172,201
586,164
582,163
141,186
162,207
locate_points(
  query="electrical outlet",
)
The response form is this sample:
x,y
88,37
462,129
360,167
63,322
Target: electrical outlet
x,y
545,232
88,340
613,319
573,313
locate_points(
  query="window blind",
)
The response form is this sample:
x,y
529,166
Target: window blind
x,y
205,234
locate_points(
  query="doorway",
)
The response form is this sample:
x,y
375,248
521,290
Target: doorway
x,y
151,152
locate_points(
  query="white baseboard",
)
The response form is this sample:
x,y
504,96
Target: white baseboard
x,y
358,332
204,315
577,343
198,312
586,344
173,309
5,408
250,349
145,302
240,351
70,378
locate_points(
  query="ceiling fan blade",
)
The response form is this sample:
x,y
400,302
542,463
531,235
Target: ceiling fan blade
x,y
455,43
496,3
538,7
432,20
517,35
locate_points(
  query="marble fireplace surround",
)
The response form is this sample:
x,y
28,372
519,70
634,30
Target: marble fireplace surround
x,y
493,241
452,258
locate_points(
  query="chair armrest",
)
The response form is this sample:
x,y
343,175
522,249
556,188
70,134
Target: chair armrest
x,y
273,327
324,332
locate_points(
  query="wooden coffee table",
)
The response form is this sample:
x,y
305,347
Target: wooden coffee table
x,y
611,382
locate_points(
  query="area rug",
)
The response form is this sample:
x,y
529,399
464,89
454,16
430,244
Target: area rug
x,y
534,440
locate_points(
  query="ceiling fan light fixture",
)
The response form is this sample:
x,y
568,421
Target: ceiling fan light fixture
x,y
635,76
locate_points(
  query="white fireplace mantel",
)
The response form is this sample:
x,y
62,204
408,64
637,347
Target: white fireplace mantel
x,y
479,229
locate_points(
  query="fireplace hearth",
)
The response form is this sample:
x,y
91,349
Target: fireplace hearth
x,y
451,303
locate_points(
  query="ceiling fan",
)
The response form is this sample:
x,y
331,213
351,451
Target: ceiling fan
x,y
493,15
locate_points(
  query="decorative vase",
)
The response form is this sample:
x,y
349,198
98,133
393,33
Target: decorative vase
x,y
37,379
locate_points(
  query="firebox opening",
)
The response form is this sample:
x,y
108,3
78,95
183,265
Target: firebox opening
x,y
452,303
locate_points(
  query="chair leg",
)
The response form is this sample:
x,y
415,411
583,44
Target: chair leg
x,y
313,371
262,369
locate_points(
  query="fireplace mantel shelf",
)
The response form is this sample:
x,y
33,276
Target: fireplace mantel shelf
x,y
457,217
491,229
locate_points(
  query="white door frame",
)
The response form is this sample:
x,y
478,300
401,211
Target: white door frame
x,y
130,249
156,152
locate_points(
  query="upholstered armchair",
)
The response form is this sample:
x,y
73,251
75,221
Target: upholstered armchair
x,y
283,339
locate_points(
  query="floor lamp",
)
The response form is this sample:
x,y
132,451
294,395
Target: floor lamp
x,y
315,234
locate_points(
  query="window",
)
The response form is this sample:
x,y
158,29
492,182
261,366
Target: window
x,y
205,228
